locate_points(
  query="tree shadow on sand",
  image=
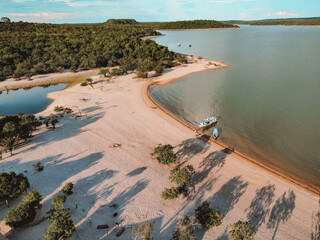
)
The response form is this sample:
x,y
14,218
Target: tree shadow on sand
x,y
229,194
260,206
92,202
136,171
315,235
192,146
281,211
64,130
213,160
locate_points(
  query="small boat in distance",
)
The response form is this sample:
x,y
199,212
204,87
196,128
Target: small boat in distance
x,y
215,133
190,45
207,122
179,44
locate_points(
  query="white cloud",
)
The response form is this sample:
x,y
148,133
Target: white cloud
x,y
282,14
22,1
230,1
72,3
42,16
243,16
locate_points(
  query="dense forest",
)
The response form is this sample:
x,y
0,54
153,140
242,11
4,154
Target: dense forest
x,y
291,21
27,49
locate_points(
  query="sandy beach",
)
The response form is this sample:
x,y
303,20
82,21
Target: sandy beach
x,y
81,150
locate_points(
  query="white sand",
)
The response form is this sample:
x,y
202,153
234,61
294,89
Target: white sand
x,y
78,150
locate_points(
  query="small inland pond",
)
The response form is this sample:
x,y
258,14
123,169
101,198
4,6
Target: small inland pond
x,y
28,101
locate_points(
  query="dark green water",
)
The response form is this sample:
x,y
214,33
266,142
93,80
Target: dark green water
x,y
267,103
29,101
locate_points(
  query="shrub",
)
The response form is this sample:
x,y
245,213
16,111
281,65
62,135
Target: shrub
x,y
25,212
242,230
165,154
118,71
206,217
62,110
182,176
141,74
184,230
104,72
143,231
83,84
159,69
170,193
168,63
182,59
12,185
38,166
67,189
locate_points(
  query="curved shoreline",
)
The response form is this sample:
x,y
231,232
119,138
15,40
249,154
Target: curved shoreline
x,y
220,145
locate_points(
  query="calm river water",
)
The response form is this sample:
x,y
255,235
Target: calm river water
x,y
267,103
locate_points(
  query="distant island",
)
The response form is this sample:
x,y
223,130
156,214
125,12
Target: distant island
x,y
315,21
28,49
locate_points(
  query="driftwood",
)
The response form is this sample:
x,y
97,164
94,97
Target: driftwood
x,y
120,232
103,226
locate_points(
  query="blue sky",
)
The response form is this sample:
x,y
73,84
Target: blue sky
x,y
88,11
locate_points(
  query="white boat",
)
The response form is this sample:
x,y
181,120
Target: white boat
x,y
179,44
207,122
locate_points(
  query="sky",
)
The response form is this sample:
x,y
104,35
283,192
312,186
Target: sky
x,y
93,11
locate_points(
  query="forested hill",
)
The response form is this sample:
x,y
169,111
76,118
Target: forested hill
x,y
27,49
290,21
195,24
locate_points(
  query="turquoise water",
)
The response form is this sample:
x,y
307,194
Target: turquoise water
x,y
267,103
28,101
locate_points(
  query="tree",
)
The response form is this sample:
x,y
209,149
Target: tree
x,y
206,217
165,154
58,202
182,176
5,19
242,230
25,212
143,231
170,193
12,185
61,226
15,128
33,198
184,230
51,119
159,69
67,189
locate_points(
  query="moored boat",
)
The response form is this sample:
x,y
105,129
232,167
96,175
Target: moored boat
x,y
207,122
215,133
